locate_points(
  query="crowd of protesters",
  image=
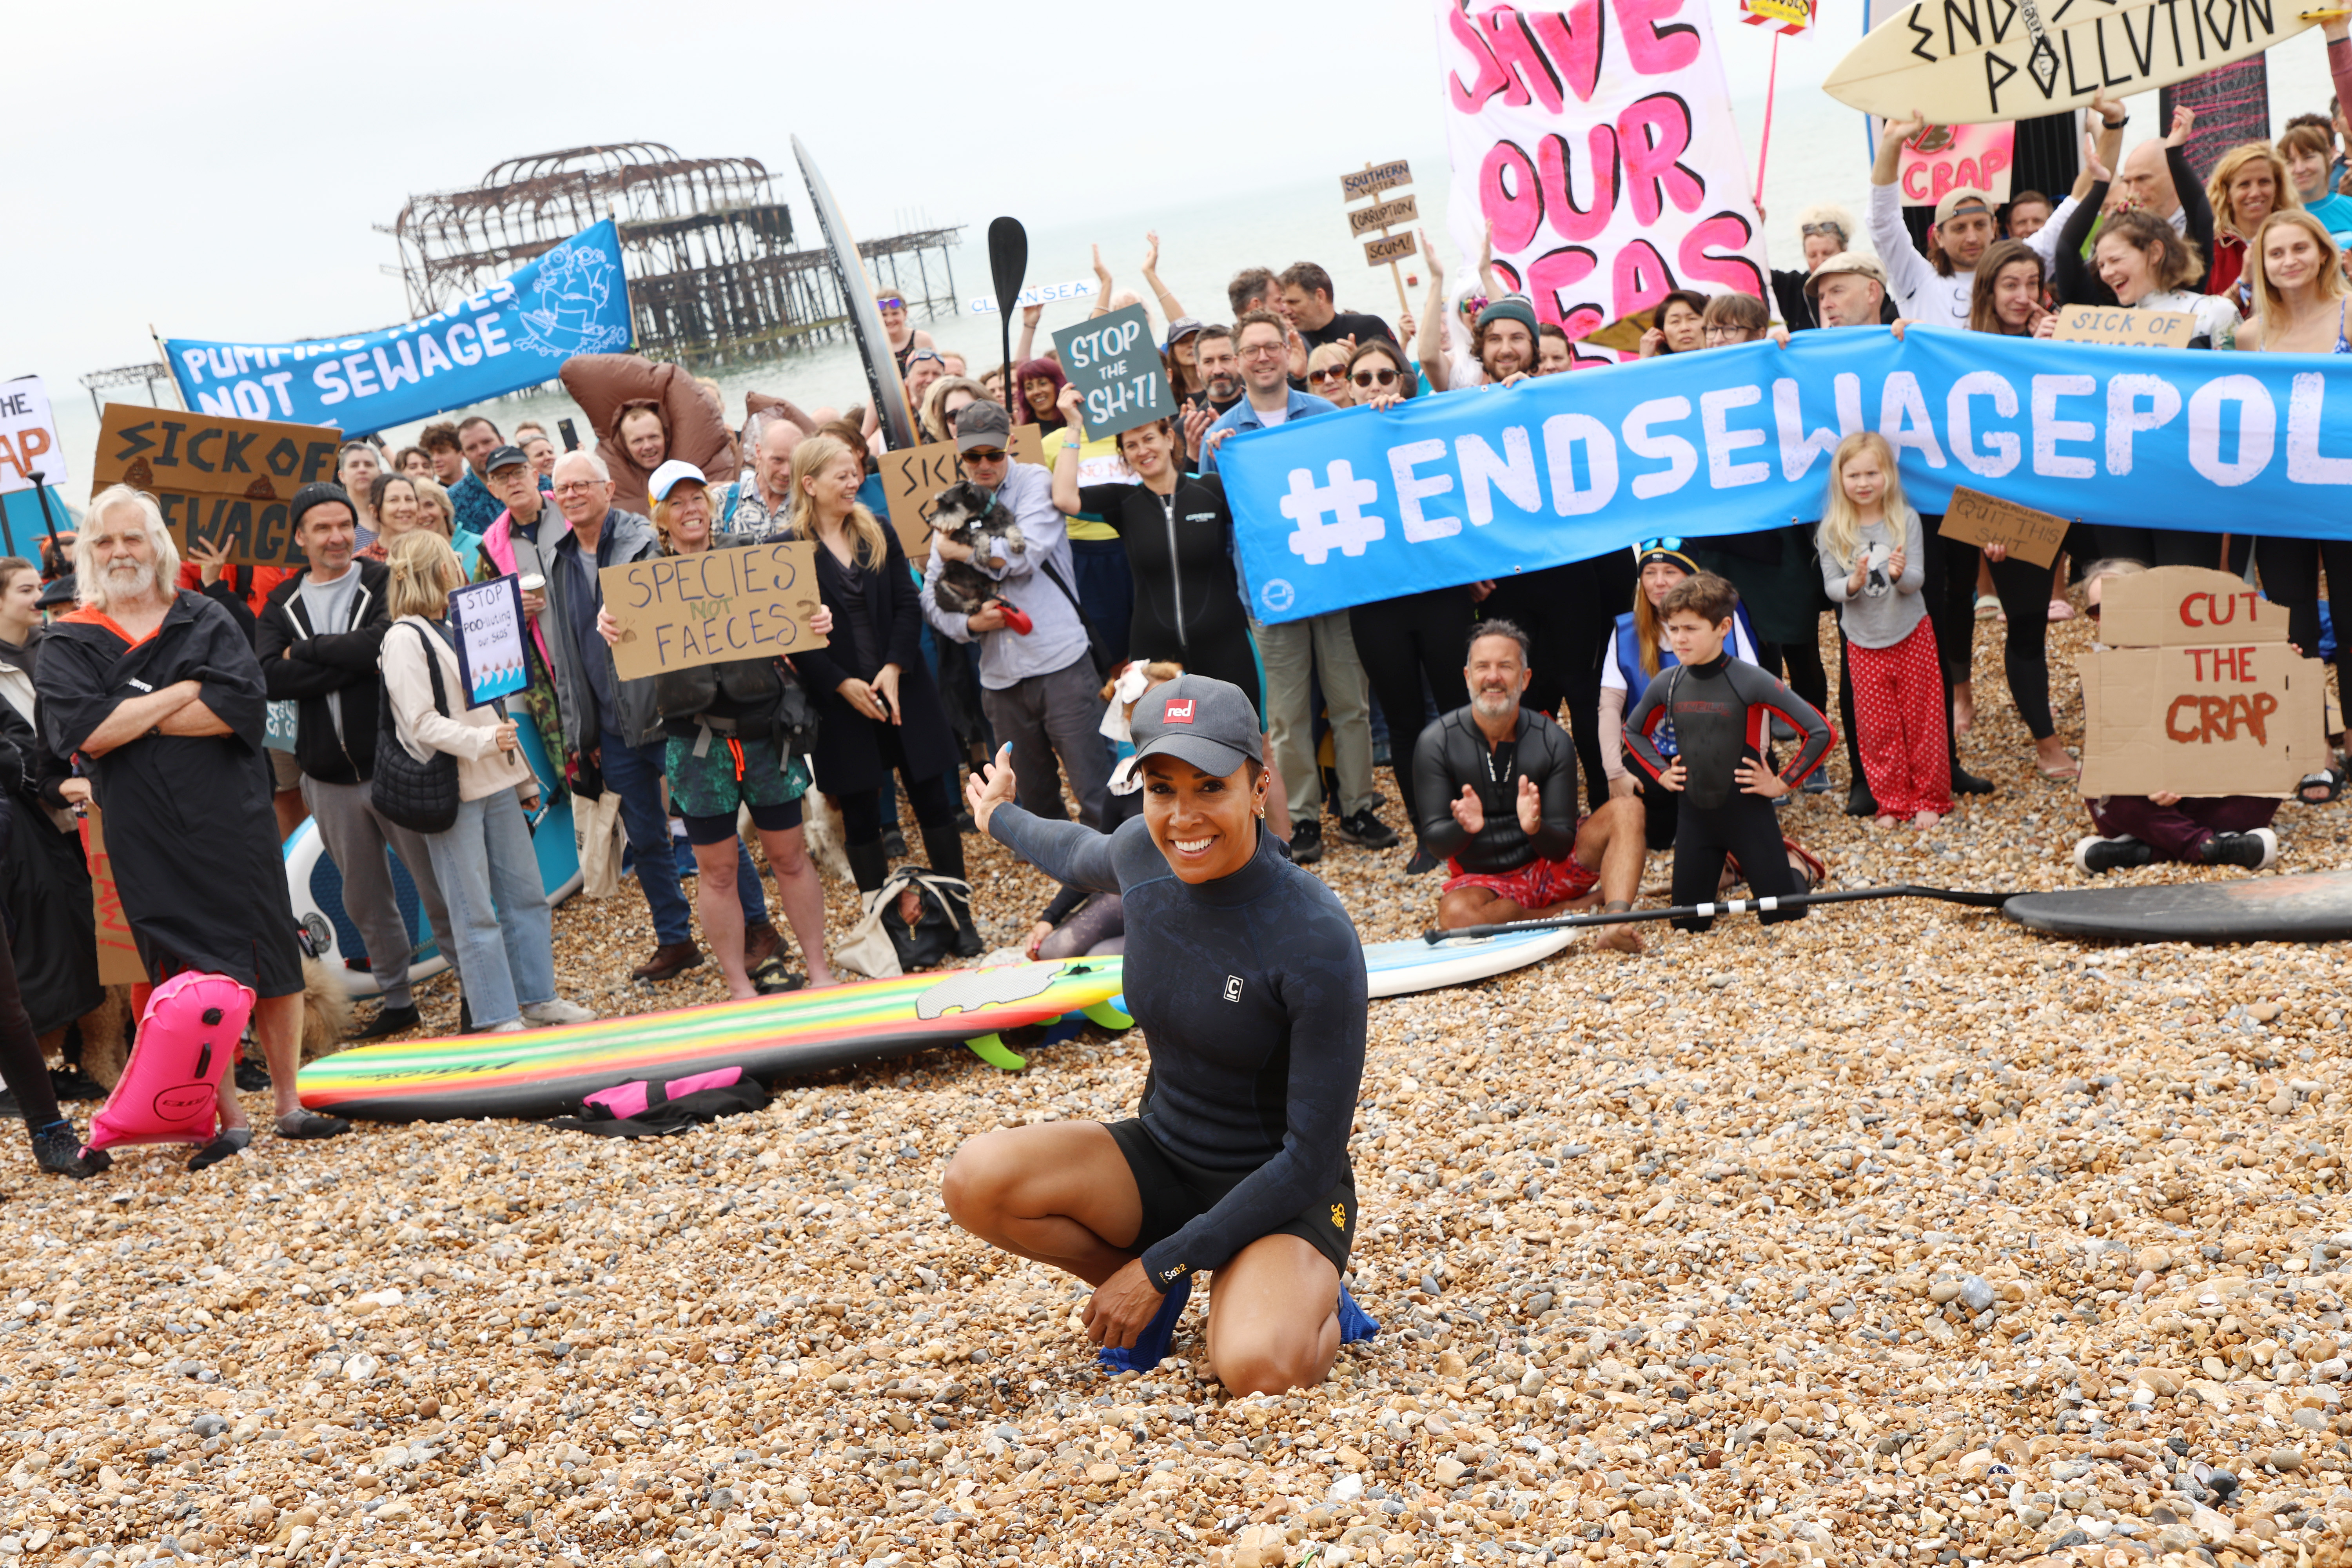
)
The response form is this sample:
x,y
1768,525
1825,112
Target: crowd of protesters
x,y
138,674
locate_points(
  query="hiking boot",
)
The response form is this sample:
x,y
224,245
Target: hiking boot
x,y
1306,841
2256,851
760,943
1364,830
389,1021
669,961
2097,855
56,1149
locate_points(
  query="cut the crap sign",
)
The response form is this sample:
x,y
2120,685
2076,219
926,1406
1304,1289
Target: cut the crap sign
x,y
1113,363
1598,142
28,436
1943,158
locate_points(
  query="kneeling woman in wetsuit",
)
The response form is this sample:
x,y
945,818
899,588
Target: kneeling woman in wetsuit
x,y
1248,980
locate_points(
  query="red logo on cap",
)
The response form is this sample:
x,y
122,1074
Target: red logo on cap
x,y
1179,712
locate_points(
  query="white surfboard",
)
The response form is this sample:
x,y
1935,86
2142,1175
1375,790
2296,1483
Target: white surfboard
x,y
1400,968
1972,62
316,887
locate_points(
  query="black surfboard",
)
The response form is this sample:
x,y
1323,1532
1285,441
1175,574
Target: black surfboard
x,y
2313,907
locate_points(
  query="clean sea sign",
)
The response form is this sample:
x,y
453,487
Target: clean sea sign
x,y
1115,365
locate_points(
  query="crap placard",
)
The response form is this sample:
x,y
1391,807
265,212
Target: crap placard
x,y
216,477
1598,141
680,611
2201,694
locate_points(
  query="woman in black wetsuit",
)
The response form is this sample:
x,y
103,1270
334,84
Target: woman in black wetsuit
x,y
1179,535
1249,982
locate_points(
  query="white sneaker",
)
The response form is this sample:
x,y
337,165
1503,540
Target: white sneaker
x,y
512,1027
558,1011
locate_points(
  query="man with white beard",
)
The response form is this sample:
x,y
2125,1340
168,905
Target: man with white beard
x,y
160,697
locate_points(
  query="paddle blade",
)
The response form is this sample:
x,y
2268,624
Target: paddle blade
x,y
1008,262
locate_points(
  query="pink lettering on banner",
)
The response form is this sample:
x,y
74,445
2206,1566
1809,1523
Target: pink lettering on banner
x,y
1597,142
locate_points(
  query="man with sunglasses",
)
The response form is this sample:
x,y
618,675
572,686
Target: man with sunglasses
x,y
1299,653
904,339
1038,687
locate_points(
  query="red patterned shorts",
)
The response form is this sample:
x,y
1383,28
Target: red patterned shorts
x,y
1538,885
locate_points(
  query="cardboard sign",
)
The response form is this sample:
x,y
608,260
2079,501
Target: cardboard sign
x,y
118,962
1974,517
2201,695
1113,363
28,436
1371,182
1383,214
491,654
1395,248
2125,327
1947,157
680,611
913,478
216,477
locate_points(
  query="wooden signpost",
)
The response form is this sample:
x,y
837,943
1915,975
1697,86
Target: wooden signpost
x,y
1383,215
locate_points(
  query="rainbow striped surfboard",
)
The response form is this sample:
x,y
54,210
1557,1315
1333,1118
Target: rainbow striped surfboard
x,y
543,1072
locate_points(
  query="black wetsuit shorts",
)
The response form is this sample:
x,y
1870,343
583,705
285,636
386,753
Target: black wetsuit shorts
x,y
1175,1192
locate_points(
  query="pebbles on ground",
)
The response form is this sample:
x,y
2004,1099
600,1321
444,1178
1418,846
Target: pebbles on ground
x,y
1897,1234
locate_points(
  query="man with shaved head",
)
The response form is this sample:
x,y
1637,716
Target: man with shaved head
x,y
756,507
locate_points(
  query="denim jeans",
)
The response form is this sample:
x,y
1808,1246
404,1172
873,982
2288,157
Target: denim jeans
x,y
636,772
489,874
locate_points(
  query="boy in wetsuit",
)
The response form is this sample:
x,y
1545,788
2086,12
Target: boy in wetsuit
x,y
1720,708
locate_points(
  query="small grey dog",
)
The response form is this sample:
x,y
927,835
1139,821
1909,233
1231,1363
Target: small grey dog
x,y
970,516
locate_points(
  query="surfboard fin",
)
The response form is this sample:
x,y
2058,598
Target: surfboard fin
x,y
992,1049
1110,1014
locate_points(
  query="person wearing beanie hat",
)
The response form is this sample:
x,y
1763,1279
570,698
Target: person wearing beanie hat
x,y
1505,341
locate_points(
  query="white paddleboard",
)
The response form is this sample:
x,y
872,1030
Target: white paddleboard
x,y
1400,968
1971,62
316,887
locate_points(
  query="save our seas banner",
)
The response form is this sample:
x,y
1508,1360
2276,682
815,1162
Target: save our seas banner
x,y
1349,508
573,300
1598,141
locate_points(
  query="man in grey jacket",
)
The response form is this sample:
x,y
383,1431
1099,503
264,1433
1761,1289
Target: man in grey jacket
x,y
610,725
1039,689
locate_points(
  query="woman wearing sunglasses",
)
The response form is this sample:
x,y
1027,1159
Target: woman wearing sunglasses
x,y
1417,636
1327,374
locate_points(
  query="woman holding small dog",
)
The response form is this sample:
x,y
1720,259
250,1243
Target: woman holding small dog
x,y
879,707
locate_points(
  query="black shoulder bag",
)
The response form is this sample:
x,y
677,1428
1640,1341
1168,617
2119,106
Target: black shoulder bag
x,y
419,796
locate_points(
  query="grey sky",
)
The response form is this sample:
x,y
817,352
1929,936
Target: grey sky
x,y
219,171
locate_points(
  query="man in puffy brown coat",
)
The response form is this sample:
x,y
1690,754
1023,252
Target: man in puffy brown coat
x,y
644,414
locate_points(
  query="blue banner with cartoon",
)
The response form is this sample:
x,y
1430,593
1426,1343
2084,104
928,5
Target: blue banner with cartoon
x,y
573,300
1349,507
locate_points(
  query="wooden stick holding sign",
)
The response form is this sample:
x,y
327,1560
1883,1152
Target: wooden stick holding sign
x,y
1383,215
220,480
1974,517
676,611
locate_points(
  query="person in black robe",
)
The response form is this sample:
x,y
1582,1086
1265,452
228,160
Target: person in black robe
x,y
160,693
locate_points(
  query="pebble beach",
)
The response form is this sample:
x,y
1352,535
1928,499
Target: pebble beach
x,y
1899,1234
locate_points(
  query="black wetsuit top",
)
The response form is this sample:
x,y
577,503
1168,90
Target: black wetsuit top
x,y
1251,991
1453,752
1720,712
1188,598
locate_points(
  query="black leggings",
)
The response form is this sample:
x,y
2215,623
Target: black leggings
x,y
2290,571
2024,591
1569,613
22,1066
1401,643
2172,547
1746,828
1950,594
861,812
1800,664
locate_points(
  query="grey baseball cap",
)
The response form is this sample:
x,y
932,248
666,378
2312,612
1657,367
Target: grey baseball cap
x,y
1209,723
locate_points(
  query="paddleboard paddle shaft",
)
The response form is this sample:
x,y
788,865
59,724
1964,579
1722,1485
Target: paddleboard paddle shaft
x,y
1728,907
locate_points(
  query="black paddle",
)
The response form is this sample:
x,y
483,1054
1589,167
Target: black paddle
x,y
1008,266
1731,907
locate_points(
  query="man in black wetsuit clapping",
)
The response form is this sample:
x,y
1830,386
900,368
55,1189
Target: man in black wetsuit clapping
x,y
1495,791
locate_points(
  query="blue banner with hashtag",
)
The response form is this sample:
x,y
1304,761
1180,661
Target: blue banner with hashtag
x,y
1349,507
572,299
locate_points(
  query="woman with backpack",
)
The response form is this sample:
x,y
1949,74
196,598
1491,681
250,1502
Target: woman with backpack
x,y
738,734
